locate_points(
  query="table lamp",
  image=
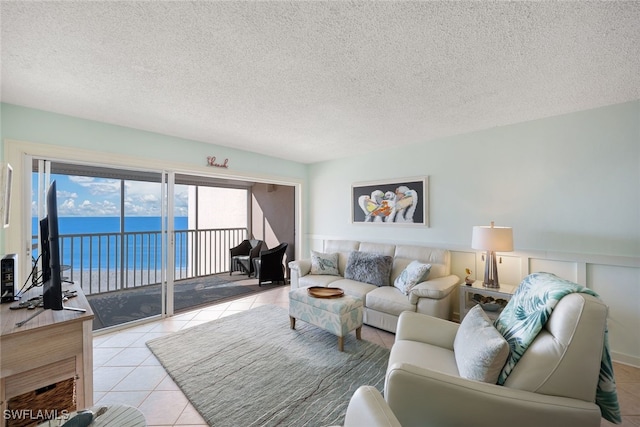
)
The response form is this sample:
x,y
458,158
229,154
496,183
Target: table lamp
x,y
492,239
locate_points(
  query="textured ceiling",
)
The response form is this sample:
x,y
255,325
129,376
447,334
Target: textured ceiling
x,y
311,81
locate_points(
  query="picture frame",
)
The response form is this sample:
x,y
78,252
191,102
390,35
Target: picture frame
x,y
403,201
6,202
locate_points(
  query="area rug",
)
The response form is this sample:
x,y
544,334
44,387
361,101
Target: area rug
x,y
114,308
251,369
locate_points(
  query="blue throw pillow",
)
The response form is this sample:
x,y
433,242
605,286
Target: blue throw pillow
x,y
479,349
368,267
413,274
324,264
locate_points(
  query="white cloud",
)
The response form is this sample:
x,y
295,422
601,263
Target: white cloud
x,y
97,186
101,197
67,194
81,179
67,207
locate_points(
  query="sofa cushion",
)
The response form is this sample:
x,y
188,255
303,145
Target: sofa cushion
x,y
388,299
440,259
377,248
354,288
341,245
369,268
414,273
322,263
480,350
343,248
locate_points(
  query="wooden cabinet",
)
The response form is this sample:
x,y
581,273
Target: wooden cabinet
x,y
50,348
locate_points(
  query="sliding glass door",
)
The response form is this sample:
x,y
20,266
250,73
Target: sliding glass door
x,y
113,226
144,243
216,219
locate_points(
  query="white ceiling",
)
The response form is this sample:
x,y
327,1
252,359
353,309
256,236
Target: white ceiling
x,y
311,81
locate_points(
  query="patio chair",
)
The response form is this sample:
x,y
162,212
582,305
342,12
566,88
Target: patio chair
x,y
242,256
269,266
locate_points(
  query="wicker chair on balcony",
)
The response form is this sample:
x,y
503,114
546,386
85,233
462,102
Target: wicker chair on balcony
x,y
269,266
242,256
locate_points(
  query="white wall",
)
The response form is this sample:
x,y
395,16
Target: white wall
x,y
568,185
218,207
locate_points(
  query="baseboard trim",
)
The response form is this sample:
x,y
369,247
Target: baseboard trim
x,y
625,359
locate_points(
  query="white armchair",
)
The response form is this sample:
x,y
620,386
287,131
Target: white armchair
x,y
553,384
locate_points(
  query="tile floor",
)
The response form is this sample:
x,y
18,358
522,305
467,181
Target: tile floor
x,y
125,371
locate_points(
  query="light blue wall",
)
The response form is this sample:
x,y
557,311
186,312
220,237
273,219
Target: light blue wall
x,y
568,183
36,126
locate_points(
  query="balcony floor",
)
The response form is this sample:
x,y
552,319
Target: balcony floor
x,y
118,307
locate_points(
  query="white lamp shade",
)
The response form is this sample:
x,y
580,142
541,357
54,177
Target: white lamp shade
x,y
497,239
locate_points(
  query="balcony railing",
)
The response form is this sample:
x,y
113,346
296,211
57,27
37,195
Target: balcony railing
x,y
106,262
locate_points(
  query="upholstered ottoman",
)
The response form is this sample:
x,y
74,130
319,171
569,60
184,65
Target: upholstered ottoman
x,y
336,315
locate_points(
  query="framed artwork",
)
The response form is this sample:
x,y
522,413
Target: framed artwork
x,y
401,201
6,203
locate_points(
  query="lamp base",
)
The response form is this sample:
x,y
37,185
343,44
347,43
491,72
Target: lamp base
x,y
491,285
491,271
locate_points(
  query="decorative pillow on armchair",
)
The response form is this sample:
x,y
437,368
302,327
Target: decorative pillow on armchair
x,y
324,263
413,274
480,350
370,268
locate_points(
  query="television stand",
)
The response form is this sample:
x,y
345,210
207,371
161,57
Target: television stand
x,y
42,310
55,347
38,302
22,322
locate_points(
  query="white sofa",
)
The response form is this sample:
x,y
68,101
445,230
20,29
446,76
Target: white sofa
x,y
384,304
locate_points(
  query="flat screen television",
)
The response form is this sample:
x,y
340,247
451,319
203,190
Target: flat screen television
x,y
45,258
52,288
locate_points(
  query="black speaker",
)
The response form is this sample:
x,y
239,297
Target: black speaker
x,y
8,277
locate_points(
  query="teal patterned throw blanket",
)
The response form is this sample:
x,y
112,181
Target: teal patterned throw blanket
x,y
526,314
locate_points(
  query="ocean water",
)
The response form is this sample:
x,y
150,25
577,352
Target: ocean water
x,y
92,251
111,224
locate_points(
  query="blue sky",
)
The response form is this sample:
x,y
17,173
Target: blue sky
x,y
88,196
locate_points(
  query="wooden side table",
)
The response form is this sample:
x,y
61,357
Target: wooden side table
x,y
467,293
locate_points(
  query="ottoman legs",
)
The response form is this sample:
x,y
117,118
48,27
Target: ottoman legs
x,y
341,339
292,323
